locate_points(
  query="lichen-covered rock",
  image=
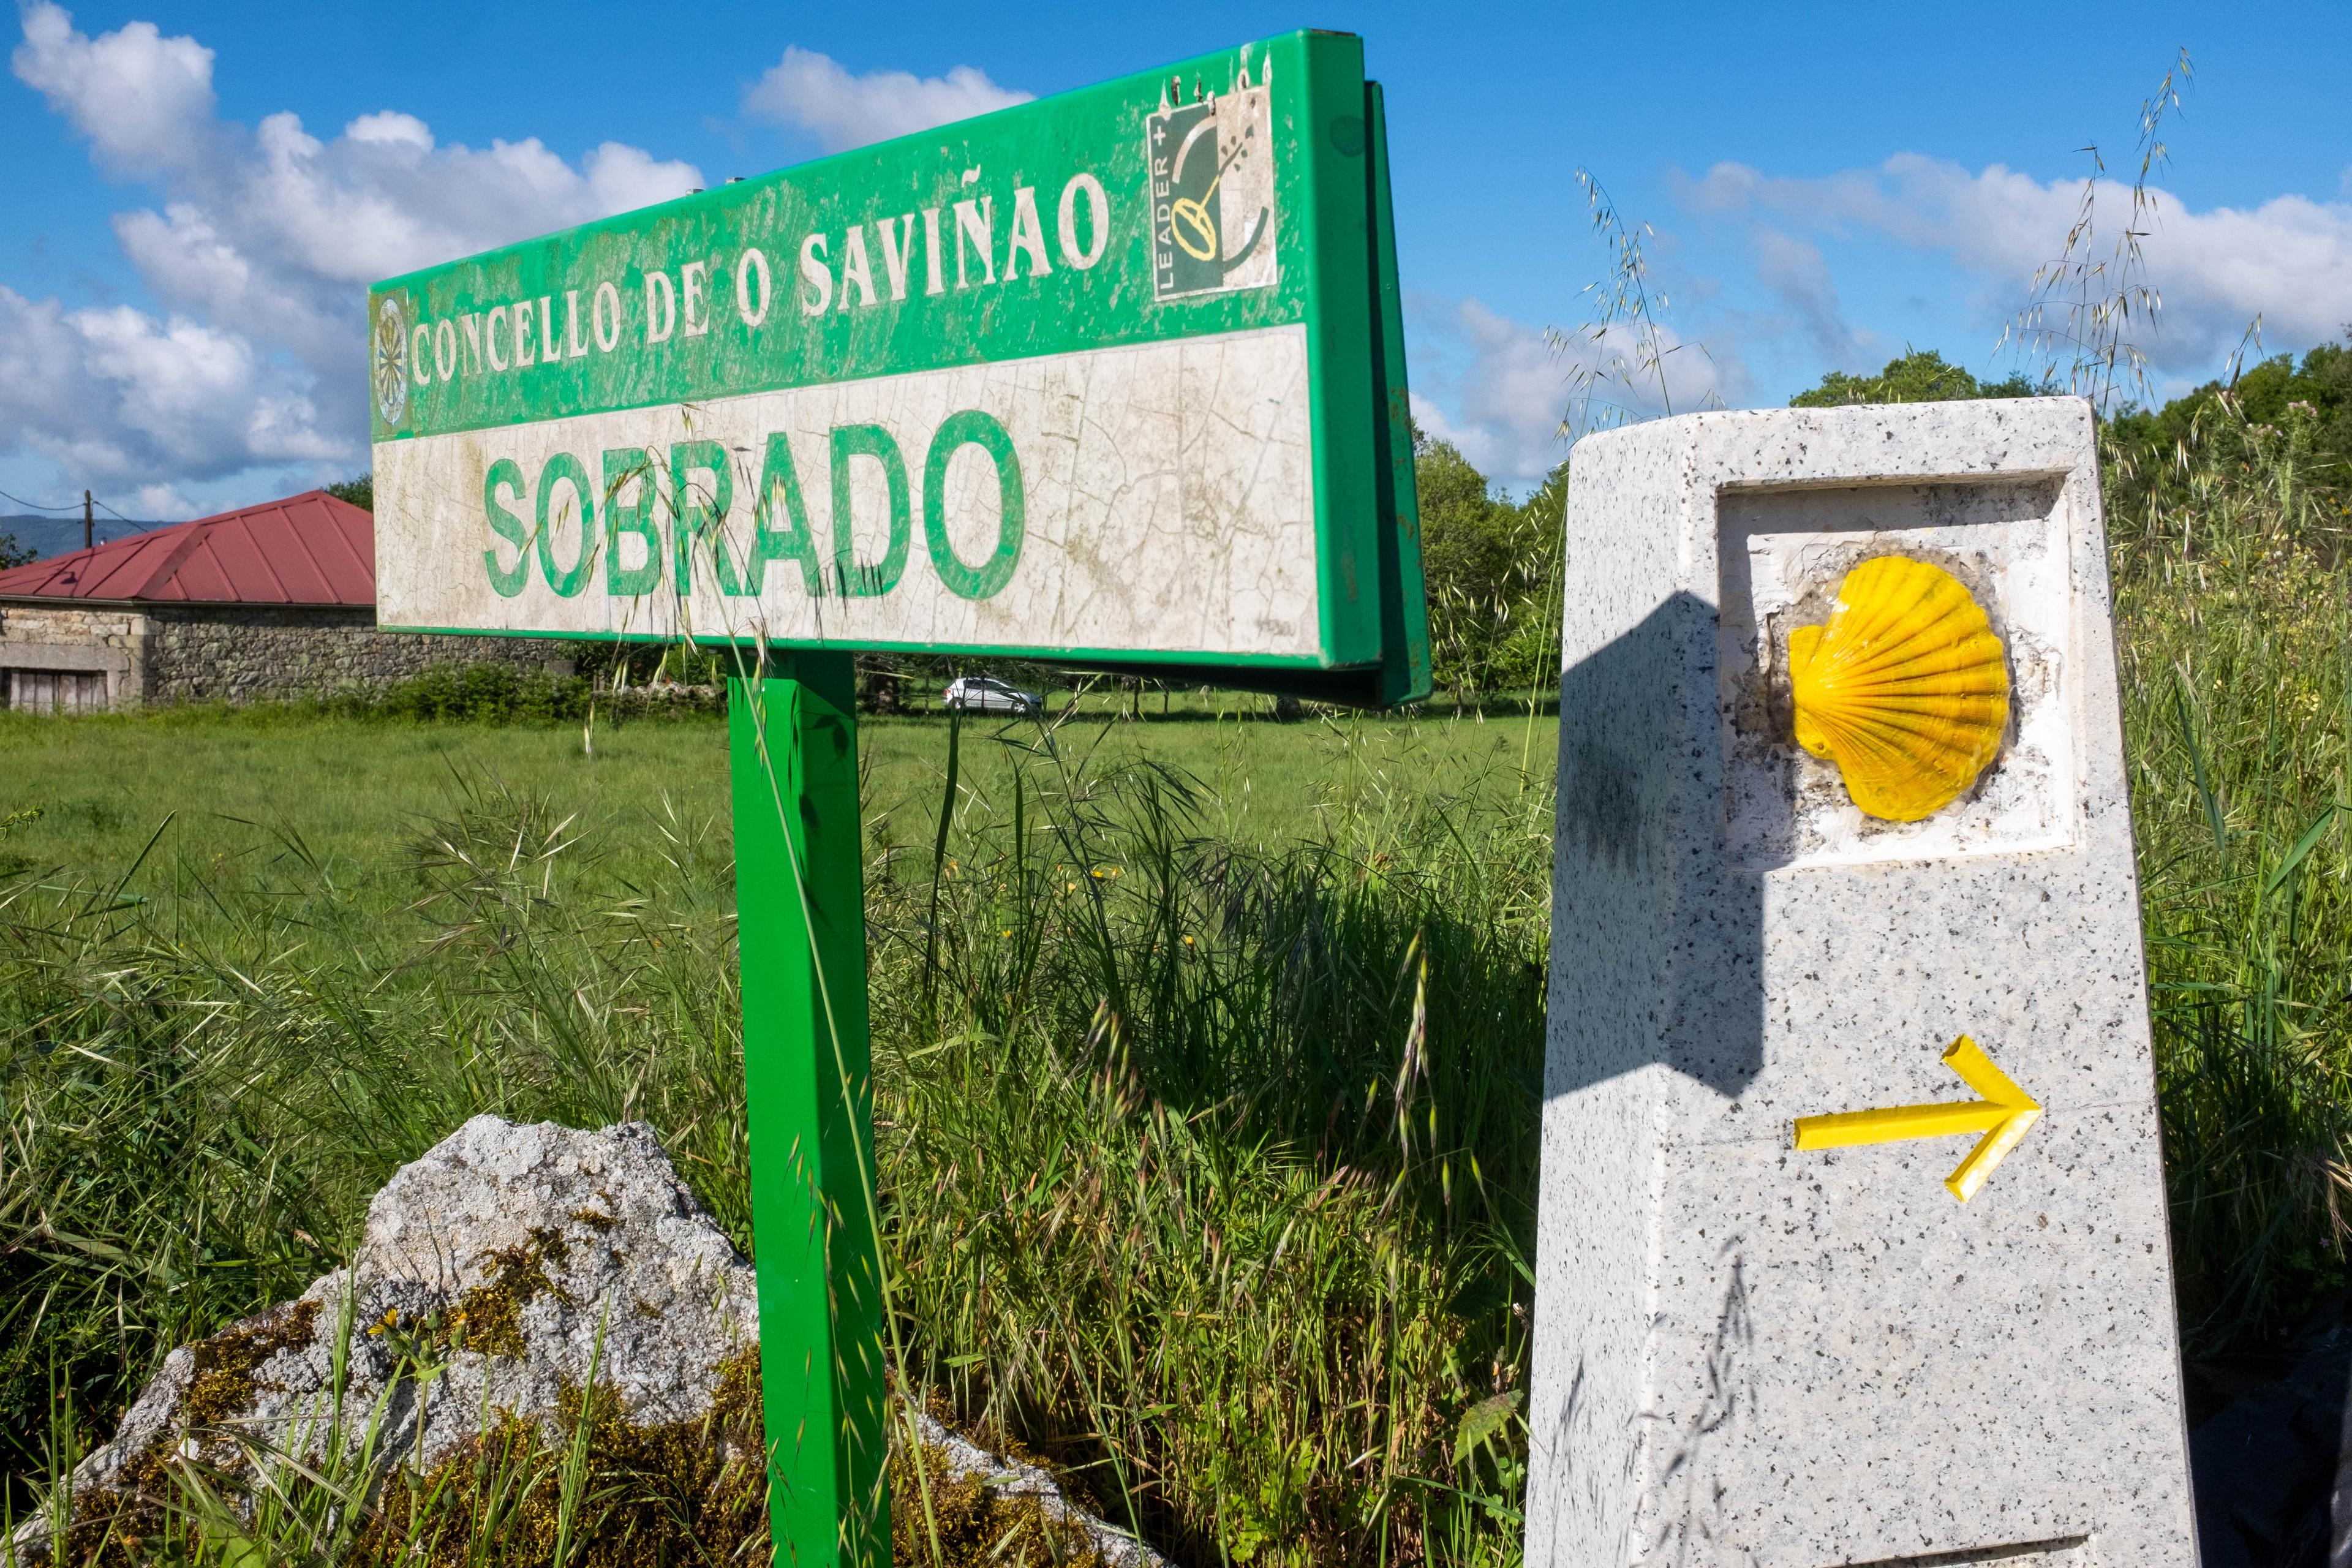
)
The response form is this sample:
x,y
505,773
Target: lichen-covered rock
x,y
494,1272
542,1248
1019,1505
501,1275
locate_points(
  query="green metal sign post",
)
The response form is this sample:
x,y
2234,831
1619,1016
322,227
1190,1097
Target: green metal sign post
x,y
801,932
1112,380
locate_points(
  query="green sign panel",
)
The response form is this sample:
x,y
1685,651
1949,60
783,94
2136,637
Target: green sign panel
x,y
1111,378
1115,378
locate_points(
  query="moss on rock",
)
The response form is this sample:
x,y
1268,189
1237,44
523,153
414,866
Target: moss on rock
x,y
649,1495
488,1319
942,1519
221,1385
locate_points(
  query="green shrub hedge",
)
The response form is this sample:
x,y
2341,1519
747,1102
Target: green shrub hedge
x,y
502,694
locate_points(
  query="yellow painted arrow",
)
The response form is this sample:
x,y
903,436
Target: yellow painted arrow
x,y
2002,1116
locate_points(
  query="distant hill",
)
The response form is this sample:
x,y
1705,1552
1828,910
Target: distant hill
x,y
48,536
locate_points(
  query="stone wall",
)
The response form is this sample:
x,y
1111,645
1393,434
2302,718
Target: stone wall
x,y
77,638
200,653
237,653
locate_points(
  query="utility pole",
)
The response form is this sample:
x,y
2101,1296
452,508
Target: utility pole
x,y
89,529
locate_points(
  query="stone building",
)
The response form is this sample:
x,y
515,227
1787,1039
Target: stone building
x,y
273,600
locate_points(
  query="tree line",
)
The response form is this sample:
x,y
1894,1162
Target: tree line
x,y
1492,563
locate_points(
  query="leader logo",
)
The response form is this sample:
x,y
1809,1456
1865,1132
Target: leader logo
x,y
1213,224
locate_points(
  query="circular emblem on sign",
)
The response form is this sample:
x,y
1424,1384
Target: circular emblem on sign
x,y
390,369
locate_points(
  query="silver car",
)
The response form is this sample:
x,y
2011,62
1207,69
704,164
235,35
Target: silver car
x,y
986,694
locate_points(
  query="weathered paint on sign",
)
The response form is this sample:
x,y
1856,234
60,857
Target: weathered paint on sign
x,y
1112,376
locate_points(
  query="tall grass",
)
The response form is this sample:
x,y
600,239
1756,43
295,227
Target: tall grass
x,y
1205,1166
203,1090
2235,607
1212,1171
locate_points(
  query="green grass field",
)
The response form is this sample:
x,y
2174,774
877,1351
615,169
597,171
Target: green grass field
x,y
235,794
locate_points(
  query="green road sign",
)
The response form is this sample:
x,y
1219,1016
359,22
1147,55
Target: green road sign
x,y
1115,378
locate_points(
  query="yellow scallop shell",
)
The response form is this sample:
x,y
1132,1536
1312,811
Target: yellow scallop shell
x,y
1906,688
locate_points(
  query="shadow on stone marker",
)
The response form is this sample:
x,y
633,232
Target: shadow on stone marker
x,y
1658,941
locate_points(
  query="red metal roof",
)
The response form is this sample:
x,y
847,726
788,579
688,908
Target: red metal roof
x,y
310,549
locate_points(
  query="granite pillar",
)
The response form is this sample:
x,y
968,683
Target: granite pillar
x,y
1751,1355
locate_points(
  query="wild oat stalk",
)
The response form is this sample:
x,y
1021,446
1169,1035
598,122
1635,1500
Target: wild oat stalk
x,y
2084,310
1618,354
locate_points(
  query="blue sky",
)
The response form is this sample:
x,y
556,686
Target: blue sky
x,y
182,264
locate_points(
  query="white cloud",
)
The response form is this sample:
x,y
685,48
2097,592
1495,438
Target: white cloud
x,y
622,178
1794,272
135,93
389,125
1492,386
118,394
259,253
2288,260
813,92
1499,389
159,504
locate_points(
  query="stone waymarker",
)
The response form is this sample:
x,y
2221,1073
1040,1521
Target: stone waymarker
x,y
1115,378
1853,1248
